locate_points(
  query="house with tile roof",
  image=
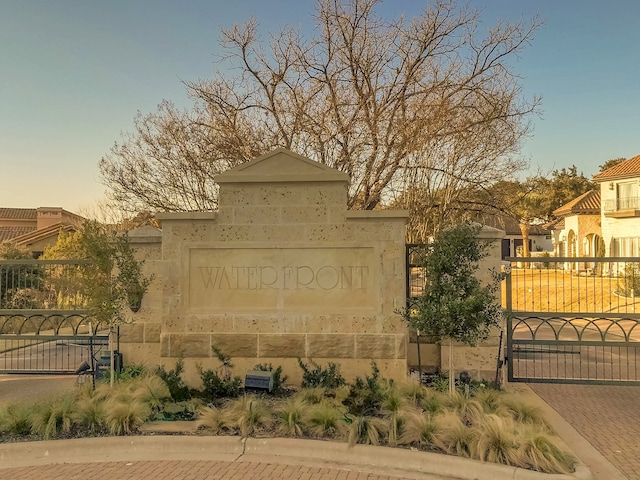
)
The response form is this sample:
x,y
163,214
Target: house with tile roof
x,y
620,212
539,235
577,231
36,228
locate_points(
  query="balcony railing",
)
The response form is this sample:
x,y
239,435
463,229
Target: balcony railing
x,y
624,203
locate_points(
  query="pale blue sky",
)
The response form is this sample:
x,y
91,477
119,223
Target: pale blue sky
x,y
73,74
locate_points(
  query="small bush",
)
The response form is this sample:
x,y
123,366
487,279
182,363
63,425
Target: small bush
x,y
312,396
214,386
522,411
132,371
366,396
414,392
278,379
317,376
173,378
151,390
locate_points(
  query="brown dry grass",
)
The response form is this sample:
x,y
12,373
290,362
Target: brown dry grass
x,y
550,290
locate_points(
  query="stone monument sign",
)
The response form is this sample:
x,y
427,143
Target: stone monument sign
x,y
282,270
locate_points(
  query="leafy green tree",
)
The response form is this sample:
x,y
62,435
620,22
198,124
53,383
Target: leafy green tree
x,y
10,282
454,304
611,163
113,275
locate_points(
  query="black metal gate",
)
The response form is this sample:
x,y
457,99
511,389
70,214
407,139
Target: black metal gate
x,y
573,320
44,327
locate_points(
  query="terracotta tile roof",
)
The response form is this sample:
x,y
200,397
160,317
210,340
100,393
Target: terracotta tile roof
x,y
34,235
9,233
586,204
627,169
18,213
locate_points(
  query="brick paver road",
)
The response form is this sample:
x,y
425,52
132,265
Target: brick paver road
x,y
183,470
608,416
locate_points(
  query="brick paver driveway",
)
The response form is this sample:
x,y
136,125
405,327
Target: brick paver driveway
x,y
608,416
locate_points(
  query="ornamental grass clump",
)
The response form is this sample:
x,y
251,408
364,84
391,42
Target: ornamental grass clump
x,y
326,420
468,410
249,414
365,429
494,440
290,417
420,430
540,451
15,419
522,411
53,417
214,420
453,436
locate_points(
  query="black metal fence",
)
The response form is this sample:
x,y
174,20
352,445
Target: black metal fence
x,y
44,324
573,320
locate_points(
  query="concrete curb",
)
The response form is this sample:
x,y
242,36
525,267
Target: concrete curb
x,y
116,449
289,451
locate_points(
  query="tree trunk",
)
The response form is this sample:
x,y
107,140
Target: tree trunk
x,y
524,230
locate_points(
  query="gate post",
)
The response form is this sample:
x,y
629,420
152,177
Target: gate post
x,y
508,306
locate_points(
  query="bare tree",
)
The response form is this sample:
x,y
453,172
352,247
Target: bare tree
x,y
398,104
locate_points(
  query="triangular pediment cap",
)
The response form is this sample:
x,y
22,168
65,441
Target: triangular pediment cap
x,y
281,165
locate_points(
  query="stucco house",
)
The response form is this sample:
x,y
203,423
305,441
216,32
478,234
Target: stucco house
x,y
620,212
36,228
539,235
577,230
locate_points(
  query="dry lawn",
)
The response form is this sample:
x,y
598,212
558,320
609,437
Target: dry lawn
x,y
550,290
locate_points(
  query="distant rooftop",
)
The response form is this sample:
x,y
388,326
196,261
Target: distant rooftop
x,y
627,169
586,204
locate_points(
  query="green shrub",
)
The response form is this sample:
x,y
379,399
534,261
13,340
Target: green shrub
x,y
278,379
366,396
173,378
317,376
214,386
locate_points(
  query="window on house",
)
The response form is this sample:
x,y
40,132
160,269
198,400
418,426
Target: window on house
x,y
625,247
627,195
